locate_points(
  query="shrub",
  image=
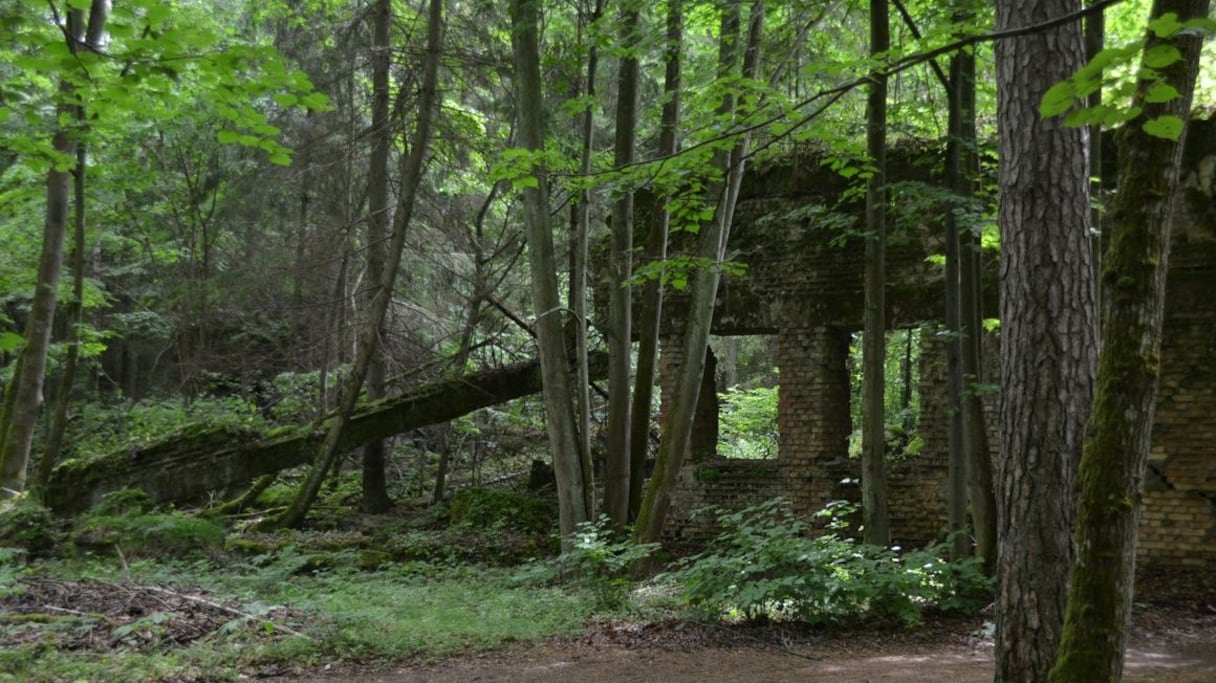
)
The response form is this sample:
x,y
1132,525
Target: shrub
x,y
763,565
748,423
599,561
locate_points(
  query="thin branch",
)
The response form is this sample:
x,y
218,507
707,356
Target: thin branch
x,y
831,95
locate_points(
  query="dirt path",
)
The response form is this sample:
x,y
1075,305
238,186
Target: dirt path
x,y
941,654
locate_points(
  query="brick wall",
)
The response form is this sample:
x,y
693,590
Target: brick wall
x,y
804,285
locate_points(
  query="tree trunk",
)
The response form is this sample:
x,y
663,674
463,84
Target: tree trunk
x,y
1095,40
651,310
980,493
74,314
568,466
578,272
875,522
480,287
703,287
375,490
1118,437
411,180
24,399
956,506
193,463
1048,335
620,294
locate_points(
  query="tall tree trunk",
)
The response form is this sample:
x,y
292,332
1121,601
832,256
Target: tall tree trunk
x,y
1095,40
980,493
703,287
411,180
873,431
568,466
651,309
480,287
620,294
1118,438
957,472
375,489
1048,335
578,273
74,314
24,398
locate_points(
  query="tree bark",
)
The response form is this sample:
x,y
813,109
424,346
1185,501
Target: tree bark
x,y
875,522
980,493
703,286
24,399
651,312
956,499
1095,40
472,321
578,273
193,463
411,180
375,490
74,314
1048,335
1118,437
572,493
620,294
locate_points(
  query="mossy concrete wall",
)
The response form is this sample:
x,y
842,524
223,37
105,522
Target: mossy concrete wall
x,y
805,259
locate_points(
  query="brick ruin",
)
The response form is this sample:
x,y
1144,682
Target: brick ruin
x,y
804,286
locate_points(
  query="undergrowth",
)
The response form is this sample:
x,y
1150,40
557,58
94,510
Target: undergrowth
x,y
764,565
471,577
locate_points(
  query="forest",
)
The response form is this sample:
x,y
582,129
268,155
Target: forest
x,y
347,337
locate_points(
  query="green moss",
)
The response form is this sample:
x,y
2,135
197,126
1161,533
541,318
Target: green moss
x,y
171,534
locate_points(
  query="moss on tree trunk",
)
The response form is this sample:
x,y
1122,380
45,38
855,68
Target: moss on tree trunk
x,y
202,459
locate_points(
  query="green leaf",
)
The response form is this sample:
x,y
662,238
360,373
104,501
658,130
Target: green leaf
x,y
1205,24
1165,25
316,101
1161,56
1081,117
10,341
1168,127
158,13
1057,99
285,99
80,4
1160,92
228,137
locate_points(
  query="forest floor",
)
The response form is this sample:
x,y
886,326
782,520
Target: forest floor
x,y
1170,644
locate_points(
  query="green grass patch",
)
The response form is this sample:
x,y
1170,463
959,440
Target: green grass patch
x,y
298,618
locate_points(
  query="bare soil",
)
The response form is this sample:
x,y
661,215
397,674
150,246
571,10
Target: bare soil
x,y
1170,645
1173,641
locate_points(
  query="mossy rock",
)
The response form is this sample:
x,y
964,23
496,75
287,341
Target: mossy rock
x,y
152,535
482,508
371,560
250,547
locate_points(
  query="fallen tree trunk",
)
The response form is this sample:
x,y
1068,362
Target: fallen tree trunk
x,y
203,459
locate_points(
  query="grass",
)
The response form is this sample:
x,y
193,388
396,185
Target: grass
x,y
421,613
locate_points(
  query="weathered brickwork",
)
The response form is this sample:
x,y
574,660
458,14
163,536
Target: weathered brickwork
x,y
805,287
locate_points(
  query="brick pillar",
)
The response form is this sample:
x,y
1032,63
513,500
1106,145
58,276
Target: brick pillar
x,y
704,441
813,415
